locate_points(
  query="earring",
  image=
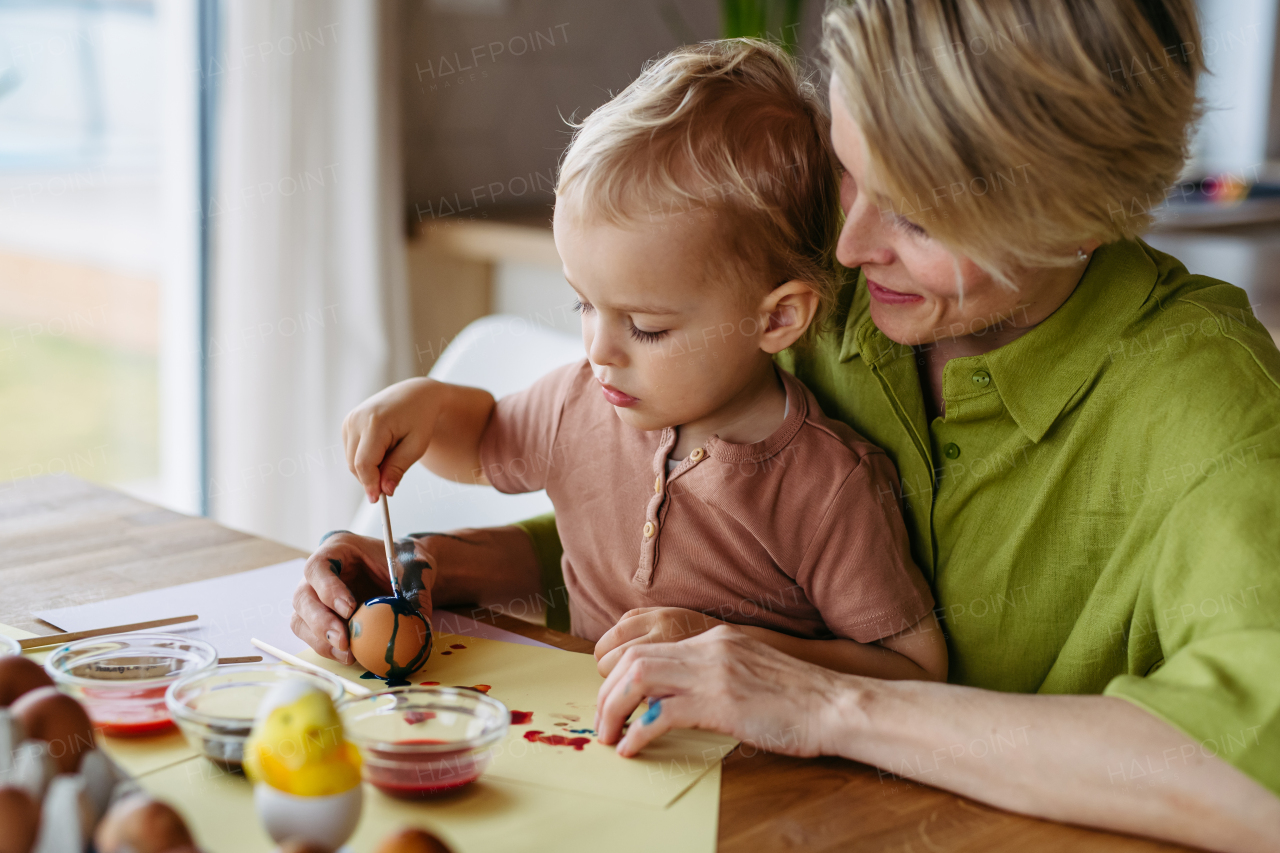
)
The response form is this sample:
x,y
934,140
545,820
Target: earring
x,y
1081,255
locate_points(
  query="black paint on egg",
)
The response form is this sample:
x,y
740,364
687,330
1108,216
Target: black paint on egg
x,y
390,637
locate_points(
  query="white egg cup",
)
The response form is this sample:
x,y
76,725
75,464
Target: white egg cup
x,y
327,821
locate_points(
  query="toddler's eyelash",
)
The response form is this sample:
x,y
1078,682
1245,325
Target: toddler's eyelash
x,y
637,334
909,226
647,337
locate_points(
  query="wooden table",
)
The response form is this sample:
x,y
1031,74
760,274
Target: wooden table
x,y
64,541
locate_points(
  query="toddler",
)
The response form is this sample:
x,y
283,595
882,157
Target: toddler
x,y
694,482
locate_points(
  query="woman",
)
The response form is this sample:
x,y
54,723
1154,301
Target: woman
x,y
1087,438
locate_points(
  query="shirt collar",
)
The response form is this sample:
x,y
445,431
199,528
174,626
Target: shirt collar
x,y
797,412
1038,374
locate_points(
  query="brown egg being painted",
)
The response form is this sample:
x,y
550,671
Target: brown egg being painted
x,y
390,637
59,721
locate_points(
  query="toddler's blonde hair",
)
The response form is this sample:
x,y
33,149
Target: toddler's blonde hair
x,y
729,127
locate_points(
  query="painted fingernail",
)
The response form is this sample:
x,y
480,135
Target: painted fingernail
x,y
345,607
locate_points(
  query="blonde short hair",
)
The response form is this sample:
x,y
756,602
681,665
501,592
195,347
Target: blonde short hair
x,y
732,127
1013,131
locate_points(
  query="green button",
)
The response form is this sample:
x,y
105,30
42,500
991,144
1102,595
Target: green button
x,y
981,378
951,451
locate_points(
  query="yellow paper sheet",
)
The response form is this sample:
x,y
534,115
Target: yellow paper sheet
x,y
134,756
560,688
513,810
491,814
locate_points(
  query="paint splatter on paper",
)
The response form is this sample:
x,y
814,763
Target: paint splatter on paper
x,y
535,736
413,718
521,718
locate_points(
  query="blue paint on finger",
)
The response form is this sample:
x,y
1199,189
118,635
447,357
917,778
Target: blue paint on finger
x,y
655,708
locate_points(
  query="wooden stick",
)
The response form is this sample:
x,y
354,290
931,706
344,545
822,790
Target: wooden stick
x,y
242,659
350,686
391,546
59,639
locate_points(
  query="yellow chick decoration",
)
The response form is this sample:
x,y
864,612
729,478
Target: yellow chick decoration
x,y
297,745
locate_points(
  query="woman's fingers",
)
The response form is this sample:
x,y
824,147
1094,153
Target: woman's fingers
x,y
662,715
317,625
644,671
323,573
631,626
605,665
324,599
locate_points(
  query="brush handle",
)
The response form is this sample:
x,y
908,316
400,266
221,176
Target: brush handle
x,y
391,546
59,639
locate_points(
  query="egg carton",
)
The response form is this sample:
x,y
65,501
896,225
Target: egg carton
x,y
72,804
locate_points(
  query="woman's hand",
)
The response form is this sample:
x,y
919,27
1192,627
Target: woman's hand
x,y
345,571
649,625
722,681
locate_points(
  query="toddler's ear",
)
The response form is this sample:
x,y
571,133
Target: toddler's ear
x,y
787,311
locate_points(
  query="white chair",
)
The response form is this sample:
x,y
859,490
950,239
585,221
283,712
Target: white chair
x,y
501,353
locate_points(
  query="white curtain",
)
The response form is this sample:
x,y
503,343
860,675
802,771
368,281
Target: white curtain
x,y
309,310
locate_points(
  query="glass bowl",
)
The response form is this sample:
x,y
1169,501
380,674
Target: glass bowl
x,y
9,646
421,741
121,679
215,708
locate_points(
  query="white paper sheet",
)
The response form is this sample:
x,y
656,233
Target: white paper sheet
x,y
233,609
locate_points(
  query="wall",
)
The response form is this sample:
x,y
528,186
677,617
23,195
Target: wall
x,y
487,82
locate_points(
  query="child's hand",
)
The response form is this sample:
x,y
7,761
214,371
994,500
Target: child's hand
x,y
649,625
396,427
388,432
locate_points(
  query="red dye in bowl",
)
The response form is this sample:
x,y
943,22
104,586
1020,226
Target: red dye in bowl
x,y
411,775
128,713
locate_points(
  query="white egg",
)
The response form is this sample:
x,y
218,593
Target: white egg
x,y
327,821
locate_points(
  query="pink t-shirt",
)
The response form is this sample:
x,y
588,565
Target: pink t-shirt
x,y
800,533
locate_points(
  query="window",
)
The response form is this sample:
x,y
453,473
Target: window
x,y
88,266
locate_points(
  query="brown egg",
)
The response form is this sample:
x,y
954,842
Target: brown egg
x,y
18,675
411,841
59,721
297,845
139,824
19,820
390,637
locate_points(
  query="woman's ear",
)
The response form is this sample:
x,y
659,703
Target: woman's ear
x,y
787,312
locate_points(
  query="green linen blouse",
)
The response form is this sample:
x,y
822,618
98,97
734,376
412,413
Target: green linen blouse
x,y
1099,510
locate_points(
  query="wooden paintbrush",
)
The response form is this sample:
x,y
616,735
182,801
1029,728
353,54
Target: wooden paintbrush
x,y
391,546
